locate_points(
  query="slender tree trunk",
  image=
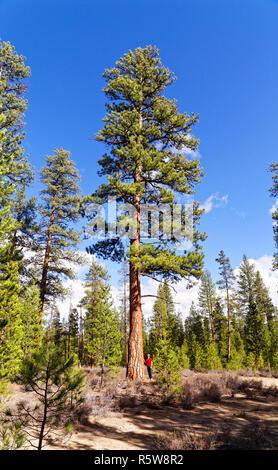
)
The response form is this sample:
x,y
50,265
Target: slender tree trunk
x,y
46,262
135,367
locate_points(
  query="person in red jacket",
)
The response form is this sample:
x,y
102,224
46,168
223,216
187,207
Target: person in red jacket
x,y
148,363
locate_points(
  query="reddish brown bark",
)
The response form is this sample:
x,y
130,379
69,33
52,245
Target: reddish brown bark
x,y
135,367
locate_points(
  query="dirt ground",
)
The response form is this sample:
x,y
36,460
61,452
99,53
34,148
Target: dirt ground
x,y
137,427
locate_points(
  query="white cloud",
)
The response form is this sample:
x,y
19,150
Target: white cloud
x,y
77,291
186,151
214,202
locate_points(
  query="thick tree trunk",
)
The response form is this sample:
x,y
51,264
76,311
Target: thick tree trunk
x,y
135,367
46,262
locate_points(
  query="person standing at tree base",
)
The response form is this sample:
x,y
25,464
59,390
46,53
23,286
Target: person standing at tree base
x,y
148,363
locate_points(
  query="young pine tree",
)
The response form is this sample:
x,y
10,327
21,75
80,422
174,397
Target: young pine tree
x,y
102,325
195,337
184,356
58,386
165,318
207,300
257,337
167,365
147,163
212,359
246,283
11,330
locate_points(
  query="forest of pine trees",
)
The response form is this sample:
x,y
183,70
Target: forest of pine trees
x,y
233,324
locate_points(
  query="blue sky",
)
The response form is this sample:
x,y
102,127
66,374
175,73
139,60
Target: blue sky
x,y
225,56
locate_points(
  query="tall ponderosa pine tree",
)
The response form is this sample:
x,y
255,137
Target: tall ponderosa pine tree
x,y
263,299
147,163
226,283
246,283
60,209
207,300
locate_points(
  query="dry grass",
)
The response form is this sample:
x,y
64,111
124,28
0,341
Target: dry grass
x,y
119,394
185,440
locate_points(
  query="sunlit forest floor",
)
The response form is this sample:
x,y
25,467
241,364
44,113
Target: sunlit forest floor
x,y
216,410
